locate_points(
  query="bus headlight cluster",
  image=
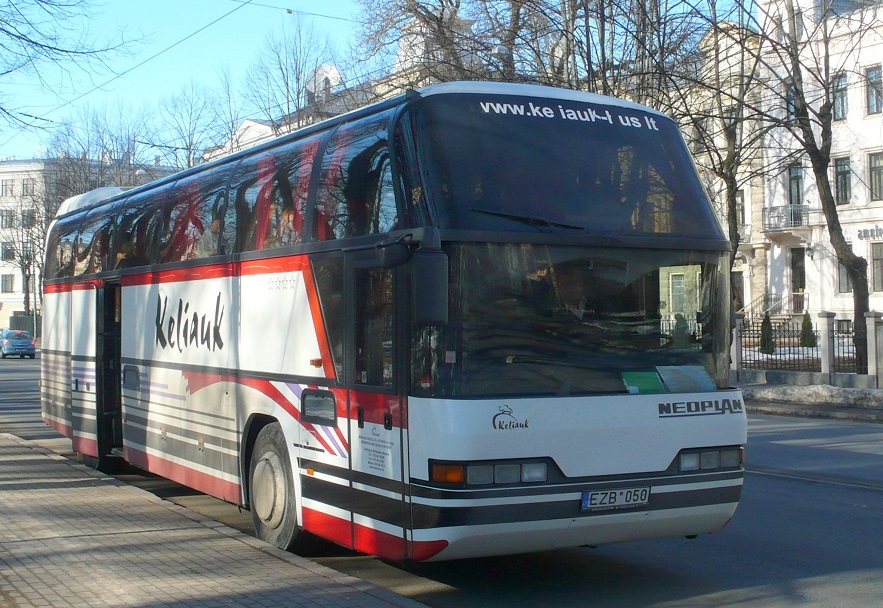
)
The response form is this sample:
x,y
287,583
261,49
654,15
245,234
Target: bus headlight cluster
x,y
706,460
479,474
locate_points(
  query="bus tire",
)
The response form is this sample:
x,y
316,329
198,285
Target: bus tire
x,y
271,490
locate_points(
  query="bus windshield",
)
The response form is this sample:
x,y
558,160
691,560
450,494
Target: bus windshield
x,y
548,320
539,165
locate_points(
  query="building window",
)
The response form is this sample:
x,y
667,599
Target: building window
x,y
877,265
844,283
874,83
28,218
839,97
28,186
795,184
678,293
875,175
791,104
7,252
842,179
7,218
7,283
7,187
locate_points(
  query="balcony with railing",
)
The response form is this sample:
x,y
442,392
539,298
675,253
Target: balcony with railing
x,y
785,217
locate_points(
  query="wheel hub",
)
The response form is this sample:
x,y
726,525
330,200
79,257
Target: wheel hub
x,y
269,491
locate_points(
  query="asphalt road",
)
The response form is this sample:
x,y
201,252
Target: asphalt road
x,y
808,532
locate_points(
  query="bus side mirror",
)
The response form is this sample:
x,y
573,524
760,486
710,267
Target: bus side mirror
x,y
429,287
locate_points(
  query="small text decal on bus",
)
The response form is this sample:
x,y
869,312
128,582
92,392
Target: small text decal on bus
x,y
505,421
699,408
186,328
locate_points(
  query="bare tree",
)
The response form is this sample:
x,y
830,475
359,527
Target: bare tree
x,y
279,84
229,111
39,33
190,123
802,54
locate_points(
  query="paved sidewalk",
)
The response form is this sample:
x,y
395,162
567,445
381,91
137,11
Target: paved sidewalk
x,y
71,536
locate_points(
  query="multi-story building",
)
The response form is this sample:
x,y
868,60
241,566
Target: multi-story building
x,y
841,50
21,191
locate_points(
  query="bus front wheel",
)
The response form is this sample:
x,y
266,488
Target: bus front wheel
x,y
271,490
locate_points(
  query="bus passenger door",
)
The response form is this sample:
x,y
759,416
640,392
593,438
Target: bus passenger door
x,y
375,414
108,350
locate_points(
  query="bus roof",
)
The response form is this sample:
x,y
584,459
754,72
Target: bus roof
x,y
96,197
530,90
88,198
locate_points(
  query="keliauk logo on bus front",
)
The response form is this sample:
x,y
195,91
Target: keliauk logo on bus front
x,y
504,420
709,407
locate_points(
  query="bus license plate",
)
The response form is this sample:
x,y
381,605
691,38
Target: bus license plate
x,y
599,500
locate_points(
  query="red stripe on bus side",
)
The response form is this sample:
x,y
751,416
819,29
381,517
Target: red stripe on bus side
x,y
368,540
202,482
65,287
297,263
89,447
195,273
64,429
335,529
57,288
374,406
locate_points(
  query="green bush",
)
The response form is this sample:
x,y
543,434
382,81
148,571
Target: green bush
x,y
807,335
767,343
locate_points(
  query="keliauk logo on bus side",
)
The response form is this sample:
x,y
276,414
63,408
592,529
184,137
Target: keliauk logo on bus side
x,y
710,407
186,328
504,420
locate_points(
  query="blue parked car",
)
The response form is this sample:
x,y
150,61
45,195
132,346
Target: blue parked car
x,y
17,342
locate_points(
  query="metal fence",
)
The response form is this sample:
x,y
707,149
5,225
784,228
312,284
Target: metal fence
x,y
843,358
785,349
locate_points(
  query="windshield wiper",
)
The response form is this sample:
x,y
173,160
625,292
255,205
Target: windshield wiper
x,y
526,219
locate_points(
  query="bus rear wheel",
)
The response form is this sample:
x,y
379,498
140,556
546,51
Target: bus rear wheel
x,y
271,490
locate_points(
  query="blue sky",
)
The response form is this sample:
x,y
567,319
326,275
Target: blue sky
x,y
232,43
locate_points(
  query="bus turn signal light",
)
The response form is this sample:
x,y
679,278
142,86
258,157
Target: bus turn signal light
x,y
448,473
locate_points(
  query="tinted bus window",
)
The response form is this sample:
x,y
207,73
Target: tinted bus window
x,y
356,195
192,222
531,165
60,249
329,283
137,235
93,244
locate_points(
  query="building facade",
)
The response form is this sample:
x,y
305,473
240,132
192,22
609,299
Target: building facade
x,y
841,51
22,188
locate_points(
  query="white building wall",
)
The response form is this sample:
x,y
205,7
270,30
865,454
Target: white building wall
x,y
12,176
856,45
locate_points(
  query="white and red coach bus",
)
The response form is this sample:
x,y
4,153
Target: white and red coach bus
x,y
476,319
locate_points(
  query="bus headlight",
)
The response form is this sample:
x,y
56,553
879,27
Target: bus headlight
x,y
533,472
711,459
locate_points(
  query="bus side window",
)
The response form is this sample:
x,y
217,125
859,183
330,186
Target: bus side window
x,y
136,236
93,245
285,204
60,249
374,340
195,218
351,198
328,273
251,206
